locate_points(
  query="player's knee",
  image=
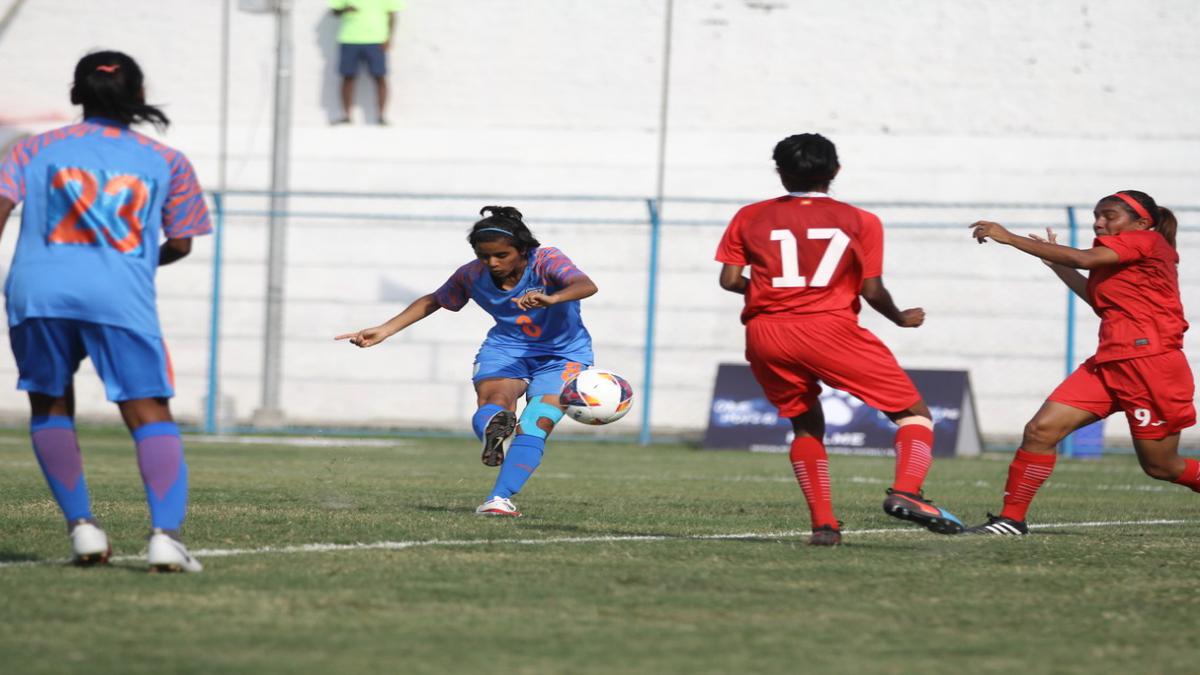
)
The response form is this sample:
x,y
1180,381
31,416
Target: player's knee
x,y
914,420
1160,470
1039,432
538,419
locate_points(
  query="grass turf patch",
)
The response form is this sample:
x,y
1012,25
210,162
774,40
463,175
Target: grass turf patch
x,y
894,599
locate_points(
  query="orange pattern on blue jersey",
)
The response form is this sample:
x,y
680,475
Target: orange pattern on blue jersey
x,y
90,190
554,266
170,364
554,330
184,215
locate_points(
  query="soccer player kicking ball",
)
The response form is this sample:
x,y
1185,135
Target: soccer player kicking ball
x,y
98,198
537,344
811,257
1139,366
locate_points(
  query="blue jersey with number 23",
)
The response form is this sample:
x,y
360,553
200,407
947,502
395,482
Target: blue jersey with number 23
x,y
97,200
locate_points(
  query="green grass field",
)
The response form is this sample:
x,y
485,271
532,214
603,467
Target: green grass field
x,y
659,560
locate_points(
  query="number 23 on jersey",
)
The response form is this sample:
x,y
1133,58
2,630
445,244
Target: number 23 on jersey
x,y
789,257
98,208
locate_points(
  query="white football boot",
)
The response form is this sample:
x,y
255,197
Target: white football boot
x,y
498,506
89,545
166,554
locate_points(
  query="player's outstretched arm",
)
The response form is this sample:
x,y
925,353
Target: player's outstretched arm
x,y
173,249
369,337
1069,275
577,289
1085,259
880,299
732,279
6,208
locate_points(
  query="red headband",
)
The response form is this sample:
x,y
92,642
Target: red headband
x,y
1135,205
109,69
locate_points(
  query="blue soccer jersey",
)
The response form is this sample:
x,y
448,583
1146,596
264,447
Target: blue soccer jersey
x,y
98,198
541,331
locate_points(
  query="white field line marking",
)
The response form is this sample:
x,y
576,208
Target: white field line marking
x,y
608,539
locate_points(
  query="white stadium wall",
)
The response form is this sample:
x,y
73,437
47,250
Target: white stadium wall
x,y
940,101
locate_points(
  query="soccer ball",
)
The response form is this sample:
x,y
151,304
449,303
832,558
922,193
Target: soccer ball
x,y
596,397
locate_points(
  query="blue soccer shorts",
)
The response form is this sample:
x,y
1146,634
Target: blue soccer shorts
x,y
132,365
545,375
351,55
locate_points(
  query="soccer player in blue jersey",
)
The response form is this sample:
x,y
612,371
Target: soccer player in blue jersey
x,y
98,198
538,342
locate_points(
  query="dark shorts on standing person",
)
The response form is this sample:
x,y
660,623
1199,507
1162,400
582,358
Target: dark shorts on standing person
x,y
352,54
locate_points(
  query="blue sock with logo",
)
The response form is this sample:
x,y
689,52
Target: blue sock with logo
x,y
480,419
57,451
521,460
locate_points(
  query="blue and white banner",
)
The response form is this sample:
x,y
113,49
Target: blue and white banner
x,y
742,418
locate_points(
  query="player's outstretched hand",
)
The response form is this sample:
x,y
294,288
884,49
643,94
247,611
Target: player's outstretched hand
x,y
911,318
1051,238
531,300
367,337
983,230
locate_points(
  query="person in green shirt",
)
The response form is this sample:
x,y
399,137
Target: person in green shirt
x,y
365,35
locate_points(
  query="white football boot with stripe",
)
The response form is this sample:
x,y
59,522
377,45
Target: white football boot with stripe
x,y
166,554
498,506
999,525
89,545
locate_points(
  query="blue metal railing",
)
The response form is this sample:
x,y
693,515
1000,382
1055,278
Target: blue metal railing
x,y
652,208
211,401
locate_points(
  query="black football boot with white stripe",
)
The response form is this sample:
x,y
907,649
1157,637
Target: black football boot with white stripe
x,y
1001,526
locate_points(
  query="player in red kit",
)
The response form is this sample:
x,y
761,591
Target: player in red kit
x,y
1139,367
811,258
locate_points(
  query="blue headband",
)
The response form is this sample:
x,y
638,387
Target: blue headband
x,y
496,229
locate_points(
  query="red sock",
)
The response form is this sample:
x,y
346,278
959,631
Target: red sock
x,y
811,465
914,454
1191,474
1025,475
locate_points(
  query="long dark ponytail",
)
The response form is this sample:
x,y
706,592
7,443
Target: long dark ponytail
x,y
503,222
110,84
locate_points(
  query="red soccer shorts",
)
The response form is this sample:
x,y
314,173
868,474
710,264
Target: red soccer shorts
x,y
790,358
1155,392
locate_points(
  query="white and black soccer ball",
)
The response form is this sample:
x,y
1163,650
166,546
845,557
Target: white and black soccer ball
x,y
596,397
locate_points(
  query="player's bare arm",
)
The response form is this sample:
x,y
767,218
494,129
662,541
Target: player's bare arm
x,y
732,279
6,208
579,288
1087,259
1069,275
880,299
369,337
174,249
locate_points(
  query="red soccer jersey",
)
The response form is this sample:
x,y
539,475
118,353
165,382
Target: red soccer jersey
x,y
806,254
1137,299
